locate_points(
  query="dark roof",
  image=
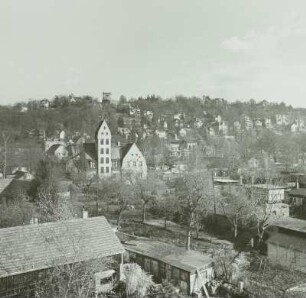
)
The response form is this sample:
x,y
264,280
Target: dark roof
x,y
300,193
170,254
4,183
53,148
125,149
16,186
91,150
38,246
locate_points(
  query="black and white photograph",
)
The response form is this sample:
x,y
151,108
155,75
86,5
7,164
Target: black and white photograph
x,y
152,148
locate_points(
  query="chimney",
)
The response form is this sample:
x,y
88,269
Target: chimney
x,y
84,213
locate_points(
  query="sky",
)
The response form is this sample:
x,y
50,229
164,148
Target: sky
x,y
236,50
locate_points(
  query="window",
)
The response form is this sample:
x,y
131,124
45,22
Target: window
x,y
107,150
106,280
107,141
102,159
102,151
140,163
102,141
134,163
107,160
102,170
107,169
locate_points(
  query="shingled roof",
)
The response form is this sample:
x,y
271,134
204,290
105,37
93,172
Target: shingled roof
x,y
38,246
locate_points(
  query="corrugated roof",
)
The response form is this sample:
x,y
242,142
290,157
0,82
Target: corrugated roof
x,y
39,246
173,255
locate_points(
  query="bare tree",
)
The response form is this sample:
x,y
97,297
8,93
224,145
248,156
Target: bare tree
x,y
145,190
235,206
194,192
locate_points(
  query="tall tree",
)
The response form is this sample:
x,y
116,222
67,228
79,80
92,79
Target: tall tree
x,y
194,193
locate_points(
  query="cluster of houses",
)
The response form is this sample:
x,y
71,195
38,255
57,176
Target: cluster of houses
x,y
108,155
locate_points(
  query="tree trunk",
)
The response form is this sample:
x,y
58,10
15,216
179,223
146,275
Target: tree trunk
x,y
165,225
188,240
144,212
236,226
119,218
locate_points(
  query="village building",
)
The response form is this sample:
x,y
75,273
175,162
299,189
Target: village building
x,y
297,202
107,156
161,134
286,244
187,270
271,198
223,128
44,104
268,123
58,151
248,123
282,119
28,253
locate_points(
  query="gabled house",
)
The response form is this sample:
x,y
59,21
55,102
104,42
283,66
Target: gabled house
x,y
58,151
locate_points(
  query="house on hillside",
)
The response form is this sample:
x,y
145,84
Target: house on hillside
x,y
253,163
29,252
188,270
58,151
44,104
282,119
106,156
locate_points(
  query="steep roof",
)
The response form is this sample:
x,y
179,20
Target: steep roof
x,y
125,149
38,246
53,148
4,183
91,150
98,128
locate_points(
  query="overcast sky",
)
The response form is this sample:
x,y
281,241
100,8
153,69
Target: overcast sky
x,y
237,49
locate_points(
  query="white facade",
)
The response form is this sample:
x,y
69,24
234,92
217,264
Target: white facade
x,y
134,163
104,140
